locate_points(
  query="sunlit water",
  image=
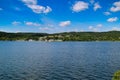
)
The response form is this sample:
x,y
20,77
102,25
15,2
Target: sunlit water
x,y
59,60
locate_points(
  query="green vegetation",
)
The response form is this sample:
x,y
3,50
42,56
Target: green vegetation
x,y
21,36
67,36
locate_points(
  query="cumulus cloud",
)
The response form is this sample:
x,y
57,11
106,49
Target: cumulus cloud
x,y
113,19
47,10
16,23
80,6
96,6
64,23
115,29
95,28
115,7
107,13
99,25
32,24
45,28
90,27
32,4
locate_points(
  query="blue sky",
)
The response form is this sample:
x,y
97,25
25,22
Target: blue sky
x,y
52,16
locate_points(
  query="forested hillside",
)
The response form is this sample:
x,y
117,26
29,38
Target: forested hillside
x,y
66,36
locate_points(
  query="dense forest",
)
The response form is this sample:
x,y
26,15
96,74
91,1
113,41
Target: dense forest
x,y
21,36
66,36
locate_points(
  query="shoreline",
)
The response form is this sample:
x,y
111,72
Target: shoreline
x,y
51,41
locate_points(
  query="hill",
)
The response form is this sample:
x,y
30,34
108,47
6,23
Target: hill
x,y
21,36
66,36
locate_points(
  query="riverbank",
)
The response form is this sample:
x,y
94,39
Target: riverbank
x,y
66,36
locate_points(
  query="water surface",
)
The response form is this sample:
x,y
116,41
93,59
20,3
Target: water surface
x,y
59,60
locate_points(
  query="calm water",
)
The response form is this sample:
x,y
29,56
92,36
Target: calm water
x,y
59,60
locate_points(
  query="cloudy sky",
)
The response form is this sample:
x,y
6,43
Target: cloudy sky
x,y
53,16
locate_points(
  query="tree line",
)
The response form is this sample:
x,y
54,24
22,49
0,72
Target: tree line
x,y
66,36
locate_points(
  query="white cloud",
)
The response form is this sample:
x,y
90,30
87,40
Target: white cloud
x,y
95,28
1,9
99,25
75,30
16,23
47,10
32,4
18,31
45,28
115,28
82,30
115,7
80,6
1,30
107,13
32,24
90,27
96,6
65,23
113,19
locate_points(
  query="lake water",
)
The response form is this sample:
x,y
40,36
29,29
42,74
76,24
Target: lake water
x,y
59,60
